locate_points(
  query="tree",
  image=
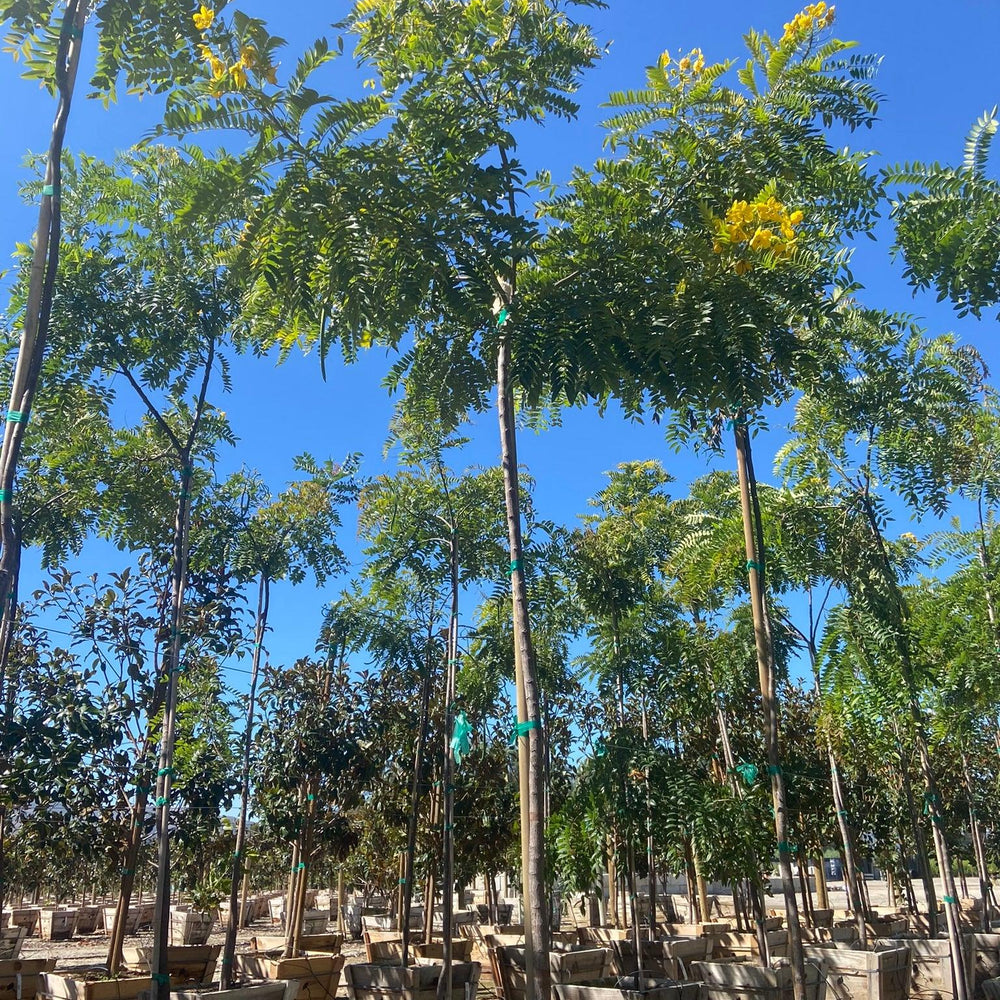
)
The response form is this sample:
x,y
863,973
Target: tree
x,y
946,223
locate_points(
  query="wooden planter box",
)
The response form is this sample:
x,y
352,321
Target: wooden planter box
x,y
186,964
619,989
144,920
887,927
11,939
686,951
328,943
461,950
414,982
566,967
656,963
703,929
87,918
314,922
19,977
276,990
131,919
318,976
864,975
742,981
26,917
987,956
57,925
933,976
822,918
745,945
190,927
56,987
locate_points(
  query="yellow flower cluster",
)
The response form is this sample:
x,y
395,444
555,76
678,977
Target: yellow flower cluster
x,y
238,70
809,19
203,19
690,65
761,225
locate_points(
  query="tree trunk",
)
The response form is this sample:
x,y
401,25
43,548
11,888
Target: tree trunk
x,y
822,894
172,665
37,311
31,350
531,776
235,907
448,777
411,825
753,542
985,885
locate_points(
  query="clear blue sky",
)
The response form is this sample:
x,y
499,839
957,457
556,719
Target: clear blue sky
x,y
939,73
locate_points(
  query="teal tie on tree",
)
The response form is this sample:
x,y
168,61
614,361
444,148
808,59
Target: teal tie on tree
x,y
461,737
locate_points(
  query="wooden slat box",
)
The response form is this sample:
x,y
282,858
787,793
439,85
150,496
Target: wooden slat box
x,y
624,989
318,975
742,981
11,939
745,945
933,975
190,963
864,975
414,982
19,977
58,925
59,987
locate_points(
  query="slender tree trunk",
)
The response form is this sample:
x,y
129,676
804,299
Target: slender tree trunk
x,y
172,664
448,776
754,885
919,841
418,767
854,899
530,748
31,350
985,885
822,895
753,541
235,907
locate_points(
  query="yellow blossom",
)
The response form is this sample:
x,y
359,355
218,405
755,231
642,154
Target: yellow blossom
x,y
239,74
248,56
762,239
742,266
203,18
685,64
796,217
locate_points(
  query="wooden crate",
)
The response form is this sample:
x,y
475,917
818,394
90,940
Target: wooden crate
x,y
190,927
58,925
864,975
11,939
686,951
87,919
26,917
933,975
414,982
987,948
131,919
461,950
742,981
59,987
617,989
191,963
329,943
745,945
887,927
703,929
318,975
19,977
656,963
276,990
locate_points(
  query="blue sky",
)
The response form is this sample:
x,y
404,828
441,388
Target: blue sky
x,y
939,74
